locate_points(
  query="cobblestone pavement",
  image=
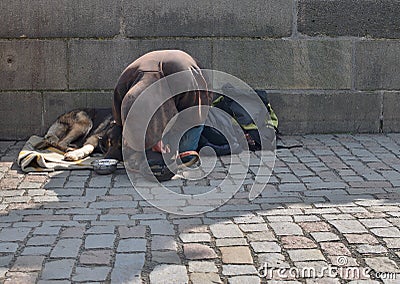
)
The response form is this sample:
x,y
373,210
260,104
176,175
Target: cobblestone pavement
x,y
329,214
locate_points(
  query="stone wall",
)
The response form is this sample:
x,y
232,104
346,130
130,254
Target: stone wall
x,y
329,66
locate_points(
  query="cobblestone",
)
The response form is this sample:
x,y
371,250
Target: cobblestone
x,y
286,228
335,248
305,254
163,243
165,257
236,255
36,250
265,246
58,269
13,234
195,237
21,277
96,257
383,264
99,241
200,278
169,274
333,203
348,226
28,263
91,274
8,247
371,249
297,242
234,269
66,248
390,232
230,242
132,245
198,251
226,231
127,268
202,266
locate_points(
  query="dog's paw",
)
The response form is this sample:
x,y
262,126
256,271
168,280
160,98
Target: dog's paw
x,y
74,155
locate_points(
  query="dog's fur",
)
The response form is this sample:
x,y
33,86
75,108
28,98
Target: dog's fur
x,y
83,131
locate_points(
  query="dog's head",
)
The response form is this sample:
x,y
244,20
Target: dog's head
x,y
111,142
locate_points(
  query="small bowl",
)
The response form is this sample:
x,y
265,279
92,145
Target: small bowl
x,y
105,166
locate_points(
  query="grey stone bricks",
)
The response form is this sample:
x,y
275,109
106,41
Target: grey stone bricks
x,y
286,64
377,19
169,274
66,248
208,18
33,64
132,245
345,111
97,64
57,103
127,268
58,269
13,234
91,273
20,124
377,65
99,241
349,225
59,18
391,114
340,57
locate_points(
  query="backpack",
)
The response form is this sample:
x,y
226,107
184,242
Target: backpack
x,y
242,123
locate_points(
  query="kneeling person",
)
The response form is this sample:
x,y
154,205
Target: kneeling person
x,y
135,79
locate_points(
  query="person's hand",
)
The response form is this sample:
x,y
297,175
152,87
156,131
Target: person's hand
x,y
161,148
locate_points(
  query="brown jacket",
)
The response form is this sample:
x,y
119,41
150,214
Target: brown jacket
x,y
148,69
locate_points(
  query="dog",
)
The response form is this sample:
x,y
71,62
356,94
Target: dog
x,y
81,132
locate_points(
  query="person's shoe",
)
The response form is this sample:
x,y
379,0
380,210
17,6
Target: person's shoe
x,y
187,159
156,167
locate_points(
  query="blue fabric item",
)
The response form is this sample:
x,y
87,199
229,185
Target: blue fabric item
x,y
190,141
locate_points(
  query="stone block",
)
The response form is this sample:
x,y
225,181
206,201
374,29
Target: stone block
x,y
58,103
377,65
391,114
33,65
20,113
99,257
324,112
28,113
236,255
59,18
377,19
91,273
208,18
286,64
66,248
97,64
169,274
127,268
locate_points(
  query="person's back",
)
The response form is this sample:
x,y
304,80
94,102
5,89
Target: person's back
x,y
166,61
144,72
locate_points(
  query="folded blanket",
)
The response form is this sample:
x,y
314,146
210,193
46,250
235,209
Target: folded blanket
x,y
31,159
